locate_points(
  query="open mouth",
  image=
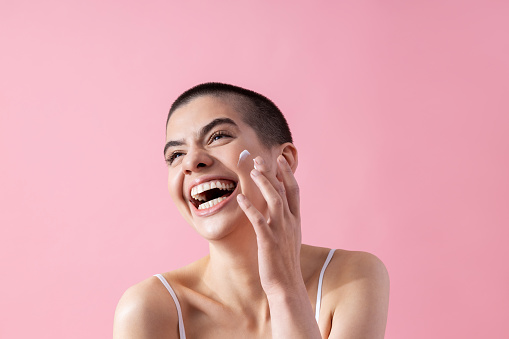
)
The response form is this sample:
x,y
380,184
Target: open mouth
x,y
210,193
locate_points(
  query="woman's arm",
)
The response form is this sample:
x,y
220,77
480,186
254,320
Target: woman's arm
x,y
279,241
358,291
142,314
358,285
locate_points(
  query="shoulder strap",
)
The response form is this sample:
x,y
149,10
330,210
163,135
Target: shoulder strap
x,y
320,280
182,332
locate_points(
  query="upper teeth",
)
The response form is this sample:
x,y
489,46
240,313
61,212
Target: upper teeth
x,y
198,189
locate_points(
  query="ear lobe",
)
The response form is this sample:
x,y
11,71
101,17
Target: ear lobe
x,y
289,151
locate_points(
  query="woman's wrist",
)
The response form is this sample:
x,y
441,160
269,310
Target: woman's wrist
x,y
287,294
292,314
291,286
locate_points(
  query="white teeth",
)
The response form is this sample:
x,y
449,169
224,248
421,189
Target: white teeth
x,y
211,203
199,196
198,189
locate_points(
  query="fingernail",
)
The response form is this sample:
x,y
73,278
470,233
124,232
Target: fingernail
x,y
240,198
254,164
282,159
255,173
259,160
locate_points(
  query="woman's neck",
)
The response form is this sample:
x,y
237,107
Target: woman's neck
x,y
232,271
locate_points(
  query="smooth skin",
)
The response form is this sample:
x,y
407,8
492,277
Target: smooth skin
x,y
258,281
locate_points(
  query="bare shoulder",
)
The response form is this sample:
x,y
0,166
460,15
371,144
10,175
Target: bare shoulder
x,y
357,285
146,310
348,265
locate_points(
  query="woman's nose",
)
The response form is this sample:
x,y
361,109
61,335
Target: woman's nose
x,y
195,160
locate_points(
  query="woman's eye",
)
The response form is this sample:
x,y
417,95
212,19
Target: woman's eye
x,y
218,135
173,157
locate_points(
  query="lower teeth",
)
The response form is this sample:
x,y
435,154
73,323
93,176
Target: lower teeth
x,y
211,203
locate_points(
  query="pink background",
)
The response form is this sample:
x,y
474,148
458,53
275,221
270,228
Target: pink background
x,y
399,110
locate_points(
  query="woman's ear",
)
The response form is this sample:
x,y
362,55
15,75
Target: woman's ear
x,y
289,151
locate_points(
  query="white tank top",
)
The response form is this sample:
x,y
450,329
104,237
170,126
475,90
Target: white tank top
x,y
182,333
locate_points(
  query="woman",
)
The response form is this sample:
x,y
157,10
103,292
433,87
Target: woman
x,y
258,280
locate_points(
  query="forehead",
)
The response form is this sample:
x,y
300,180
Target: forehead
x,y
200,111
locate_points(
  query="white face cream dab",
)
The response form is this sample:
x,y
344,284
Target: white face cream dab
x,y
242,156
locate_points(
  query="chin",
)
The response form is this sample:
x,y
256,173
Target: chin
x,y
214,230
219,227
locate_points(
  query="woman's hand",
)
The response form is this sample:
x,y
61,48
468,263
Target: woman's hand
x,y
279,236
279,241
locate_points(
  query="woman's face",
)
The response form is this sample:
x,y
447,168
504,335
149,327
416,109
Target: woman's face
x,y
204,139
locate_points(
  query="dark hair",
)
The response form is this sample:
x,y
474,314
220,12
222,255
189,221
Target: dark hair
x,y
255,109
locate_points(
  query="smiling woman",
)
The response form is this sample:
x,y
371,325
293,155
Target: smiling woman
x,y
258,280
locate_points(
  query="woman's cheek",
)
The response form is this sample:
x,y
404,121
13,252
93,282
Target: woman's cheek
x,y
175,185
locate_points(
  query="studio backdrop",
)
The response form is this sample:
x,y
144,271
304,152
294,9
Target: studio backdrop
x,y
399,111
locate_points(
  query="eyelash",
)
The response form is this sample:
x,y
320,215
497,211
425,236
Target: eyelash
x,y
218,133
171,158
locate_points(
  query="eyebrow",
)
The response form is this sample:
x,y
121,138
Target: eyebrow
x,y
205,129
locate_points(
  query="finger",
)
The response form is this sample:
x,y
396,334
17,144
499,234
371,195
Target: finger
x,y
258,221
290,184
275,201
261,166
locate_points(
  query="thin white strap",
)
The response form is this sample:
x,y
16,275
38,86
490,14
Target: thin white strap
x,y
320,280
179,311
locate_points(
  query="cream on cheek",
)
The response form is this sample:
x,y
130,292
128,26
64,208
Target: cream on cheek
x,y
243,155
245,165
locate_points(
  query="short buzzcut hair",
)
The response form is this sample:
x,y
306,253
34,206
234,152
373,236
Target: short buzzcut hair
x,y
256,110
